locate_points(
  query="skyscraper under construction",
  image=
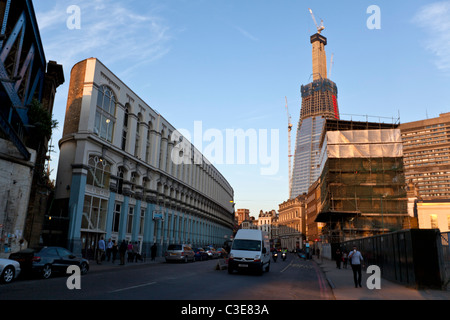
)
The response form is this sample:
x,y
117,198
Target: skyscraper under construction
x,y
319,102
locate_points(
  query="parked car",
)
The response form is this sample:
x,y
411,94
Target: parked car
x,y
179,252
9,270
200,254
48,260
212,253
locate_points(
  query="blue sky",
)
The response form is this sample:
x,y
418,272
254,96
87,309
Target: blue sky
x,y
231,63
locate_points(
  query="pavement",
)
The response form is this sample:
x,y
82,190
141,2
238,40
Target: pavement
x,y
109,265
342,285
340,281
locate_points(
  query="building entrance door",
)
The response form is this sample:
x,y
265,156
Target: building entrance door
x,y
89,241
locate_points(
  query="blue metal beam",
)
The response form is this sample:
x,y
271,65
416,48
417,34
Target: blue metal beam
x,y
22,82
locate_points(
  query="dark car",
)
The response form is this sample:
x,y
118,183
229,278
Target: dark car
x,y
212,253
200,254
48,260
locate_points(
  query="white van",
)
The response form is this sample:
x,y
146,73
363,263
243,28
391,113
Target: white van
x,y
250,251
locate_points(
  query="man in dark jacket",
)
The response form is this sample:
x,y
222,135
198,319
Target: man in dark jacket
x,y
122,251
153,251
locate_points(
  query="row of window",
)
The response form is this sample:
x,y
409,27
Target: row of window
x,y
95,212
95,215
105,121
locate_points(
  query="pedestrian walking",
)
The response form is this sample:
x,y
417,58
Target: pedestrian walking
x,y
338,258
136,254
101,250
114,251
345,258
122,252
153,251
109,250
356,259
130,251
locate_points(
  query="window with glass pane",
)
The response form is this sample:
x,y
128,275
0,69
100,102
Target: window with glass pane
x,y
130,219
105,114
120,175
94,214
116,217
141,222
99,172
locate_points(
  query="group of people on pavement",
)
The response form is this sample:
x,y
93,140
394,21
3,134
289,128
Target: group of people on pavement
x,y
356,261
108,251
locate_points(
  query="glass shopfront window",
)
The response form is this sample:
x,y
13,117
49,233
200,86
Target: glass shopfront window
x,y
94,214
99,172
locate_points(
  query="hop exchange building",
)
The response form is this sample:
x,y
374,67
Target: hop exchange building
x,y
116,177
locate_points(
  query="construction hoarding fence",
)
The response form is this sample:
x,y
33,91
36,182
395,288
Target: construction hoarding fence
x,y
413,257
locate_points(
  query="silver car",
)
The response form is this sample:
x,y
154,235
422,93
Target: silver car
x,y
9,270
179,252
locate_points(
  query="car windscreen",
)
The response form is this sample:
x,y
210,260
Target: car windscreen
x,y
174,247
248,245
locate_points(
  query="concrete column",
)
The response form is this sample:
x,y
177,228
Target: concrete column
x,y
110,214
177,237
158,239
155,145
123,219
76,201
169,168
163,160
149,226
166,227
136,221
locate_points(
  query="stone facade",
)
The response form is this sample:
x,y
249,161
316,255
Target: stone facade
x,y
117,174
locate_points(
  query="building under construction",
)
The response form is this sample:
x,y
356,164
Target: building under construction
x,y
361,185
319,102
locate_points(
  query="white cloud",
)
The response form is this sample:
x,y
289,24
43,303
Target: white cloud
x,y
246,34
121,34
435,19
110,31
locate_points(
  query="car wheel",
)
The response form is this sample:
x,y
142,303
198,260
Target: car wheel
x,y
47,271
230,270
7,275
84,268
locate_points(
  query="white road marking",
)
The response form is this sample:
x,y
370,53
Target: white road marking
x,y
134,287
287,266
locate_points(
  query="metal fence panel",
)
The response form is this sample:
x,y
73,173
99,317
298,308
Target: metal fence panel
x,y
411,257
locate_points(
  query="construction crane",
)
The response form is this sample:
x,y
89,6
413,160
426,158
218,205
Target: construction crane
x,y
289,145
319,28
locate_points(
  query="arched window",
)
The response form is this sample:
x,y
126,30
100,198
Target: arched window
x,y
120,174
99,172
137,146
105,113
149,142
125,128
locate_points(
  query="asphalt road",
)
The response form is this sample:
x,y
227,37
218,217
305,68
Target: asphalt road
x,y
293,279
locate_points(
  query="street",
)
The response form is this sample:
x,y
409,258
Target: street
x,y
293,279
